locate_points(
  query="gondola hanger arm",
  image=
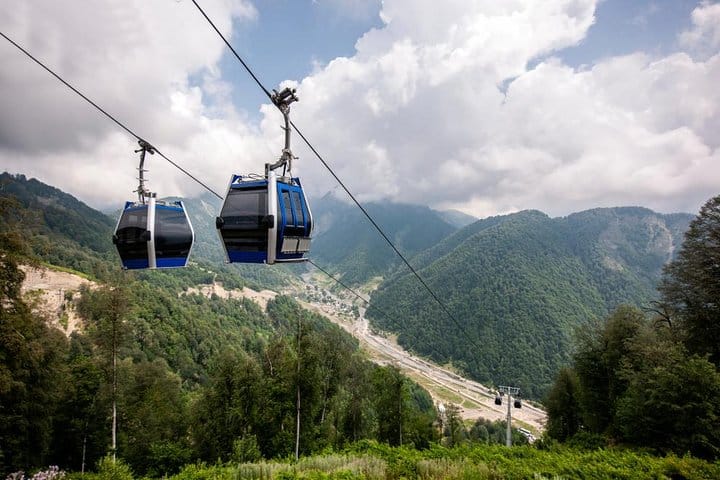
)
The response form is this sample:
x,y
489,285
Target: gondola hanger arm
x,y
145,147
282,100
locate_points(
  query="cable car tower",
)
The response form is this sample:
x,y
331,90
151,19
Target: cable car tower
x,y
266,218
510,391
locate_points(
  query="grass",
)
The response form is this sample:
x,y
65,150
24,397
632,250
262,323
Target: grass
x,y
333,466
370,460
442,392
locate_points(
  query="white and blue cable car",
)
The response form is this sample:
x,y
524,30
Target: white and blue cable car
x,y
152,233
267,219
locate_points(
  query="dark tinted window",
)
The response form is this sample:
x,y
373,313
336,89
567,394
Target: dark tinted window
x,y
245,203
173,236
288,209
245,225
297,203
135,218
131,243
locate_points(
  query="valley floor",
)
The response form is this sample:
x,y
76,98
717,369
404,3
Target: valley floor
x,y
475,400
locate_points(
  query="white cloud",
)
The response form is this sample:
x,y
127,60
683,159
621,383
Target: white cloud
x,y
428,90
704,36
139,61
455,105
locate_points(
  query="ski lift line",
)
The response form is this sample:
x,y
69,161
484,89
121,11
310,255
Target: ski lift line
x,y
307,142
322,160
342,284
247,68
104,112
387,239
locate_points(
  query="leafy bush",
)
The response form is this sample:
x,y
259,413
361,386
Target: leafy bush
x,y
113,469
246,449
587,441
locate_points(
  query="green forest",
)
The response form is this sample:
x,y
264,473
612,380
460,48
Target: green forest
x,y
215,388
650,378
517,286
192,378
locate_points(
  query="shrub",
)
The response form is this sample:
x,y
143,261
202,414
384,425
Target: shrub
x,y
110,469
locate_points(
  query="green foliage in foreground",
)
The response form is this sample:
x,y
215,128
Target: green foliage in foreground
x,y
653,382
371,460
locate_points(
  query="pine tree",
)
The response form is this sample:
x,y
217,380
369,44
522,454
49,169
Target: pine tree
x,y
563,406
691,283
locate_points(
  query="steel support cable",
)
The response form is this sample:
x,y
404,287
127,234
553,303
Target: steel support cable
x,y
104,112
247,68
317,154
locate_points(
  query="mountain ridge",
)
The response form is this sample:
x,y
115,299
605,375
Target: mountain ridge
x,y
519,284
524,280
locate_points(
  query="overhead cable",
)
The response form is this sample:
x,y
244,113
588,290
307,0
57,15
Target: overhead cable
x,y
325,164
104,112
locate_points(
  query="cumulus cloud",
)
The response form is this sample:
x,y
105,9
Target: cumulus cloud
x,y
704,36
463,121
153,65
463,106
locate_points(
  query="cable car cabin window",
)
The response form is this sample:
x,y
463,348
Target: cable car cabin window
x,y
293,225
289,218
245,226
173,236
245,207
131,234
299,213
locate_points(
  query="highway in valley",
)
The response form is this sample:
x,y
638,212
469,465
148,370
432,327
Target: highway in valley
x,y
474,399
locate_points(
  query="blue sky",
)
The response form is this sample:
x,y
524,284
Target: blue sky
x,y
626,26
287,40
482,106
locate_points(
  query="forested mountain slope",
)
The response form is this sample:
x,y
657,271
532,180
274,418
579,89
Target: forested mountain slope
x,y
457,218
518,284
57,226
625,249
345,241
198,378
